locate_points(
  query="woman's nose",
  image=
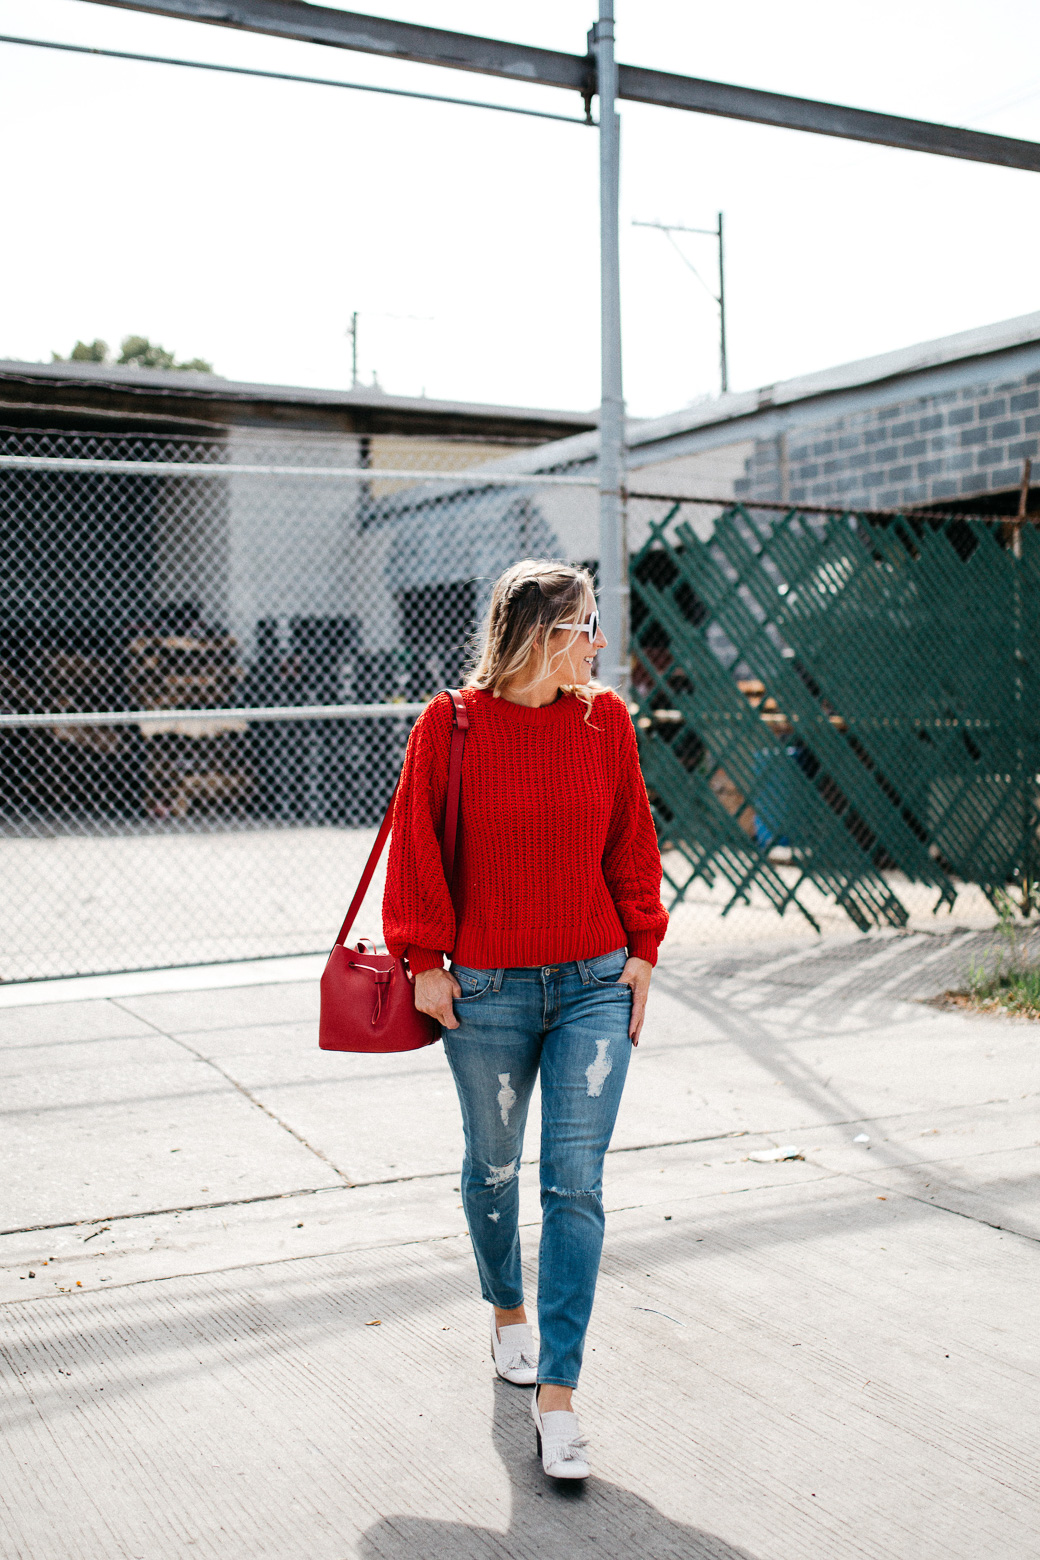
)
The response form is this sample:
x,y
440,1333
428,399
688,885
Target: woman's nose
x,y
600,642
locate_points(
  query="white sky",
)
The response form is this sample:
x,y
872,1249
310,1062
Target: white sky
x,y
242,221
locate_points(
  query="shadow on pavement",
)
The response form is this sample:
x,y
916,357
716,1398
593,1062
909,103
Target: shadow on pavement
x,y
579,1522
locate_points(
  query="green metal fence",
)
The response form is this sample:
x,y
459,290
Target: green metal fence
x,y
829,699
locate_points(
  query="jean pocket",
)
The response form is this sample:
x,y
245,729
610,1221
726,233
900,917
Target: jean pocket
x,y
605,970
475,983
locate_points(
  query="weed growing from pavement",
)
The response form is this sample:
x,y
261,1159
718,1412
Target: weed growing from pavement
x,y
1006,979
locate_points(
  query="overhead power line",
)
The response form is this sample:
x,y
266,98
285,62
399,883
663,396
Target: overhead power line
x,y
668,229
281,75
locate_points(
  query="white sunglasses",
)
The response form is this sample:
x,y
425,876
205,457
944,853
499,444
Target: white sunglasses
x,y
591,627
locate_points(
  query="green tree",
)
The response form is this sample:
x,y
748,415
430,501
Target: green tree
x,y
139,352
135,352
84,352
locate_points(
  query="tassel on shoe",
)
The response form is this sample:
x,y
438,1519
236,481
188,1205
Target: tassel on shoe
x,y
515,1353
560,1443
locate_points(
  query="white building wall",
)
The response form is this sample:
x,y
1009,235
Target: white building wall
x,y
292,543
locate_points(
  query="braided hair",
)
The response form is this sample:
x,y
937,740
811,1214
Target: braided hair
x,y
527,602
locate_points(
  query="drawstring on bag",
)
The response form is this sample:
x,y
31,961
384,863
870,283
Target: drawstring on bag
x,y
383,978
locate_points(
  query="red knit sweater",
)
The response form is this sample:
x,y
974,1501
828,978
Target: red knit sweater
x,y
557,857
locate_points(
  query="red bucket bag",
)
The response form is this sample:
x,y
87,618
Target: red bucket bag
x,y
368,998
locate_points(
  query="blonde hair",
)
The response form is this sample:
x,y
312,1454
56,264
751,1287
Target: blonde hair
x,y
528,603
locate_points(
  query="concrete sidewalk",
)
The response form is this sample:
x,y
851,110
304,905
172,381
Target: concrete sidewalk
x,y
252,1326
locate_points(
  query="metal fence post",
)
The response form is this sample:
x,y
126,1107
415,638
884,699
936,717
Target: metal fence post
x,y
613,559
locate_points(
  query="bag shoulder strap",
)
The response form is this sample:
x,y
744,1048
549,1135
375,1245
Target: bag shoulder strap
x,y
449,834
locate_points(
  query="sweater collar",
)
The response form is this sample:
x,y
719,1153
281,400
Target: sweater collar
x,y
525,714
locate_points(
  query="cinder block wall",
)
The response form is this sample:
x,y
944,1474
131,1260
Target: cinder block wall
x,y
954,445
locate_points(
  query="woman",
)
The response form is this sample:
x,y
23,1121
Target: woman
x,y
552,924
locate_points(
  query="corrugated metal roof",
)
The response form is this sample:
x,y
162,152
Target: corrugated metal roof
x,y
212,386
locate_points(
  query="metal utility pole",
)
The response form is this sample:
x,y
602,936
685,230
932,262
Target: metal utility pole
x,y
613,549
723,364
668,228
352,333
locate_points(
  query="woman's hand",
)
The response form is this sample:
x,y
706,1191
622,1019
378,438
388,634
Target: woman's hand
x,y
434,990
636,973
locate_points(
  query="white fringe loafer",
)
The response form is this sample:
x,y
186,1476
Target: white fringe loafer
x,y
560,1443
515,1353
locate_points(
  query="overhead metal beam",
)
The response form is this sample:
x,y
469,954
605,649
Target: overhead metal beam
x,y
549,68
851,124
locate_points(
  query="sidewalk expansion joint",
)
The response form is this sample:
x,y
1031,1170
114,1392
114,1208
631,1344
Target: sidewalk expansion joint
x,y
159,1213
439,1175
346,1185
423,1240
208,1061
940,1207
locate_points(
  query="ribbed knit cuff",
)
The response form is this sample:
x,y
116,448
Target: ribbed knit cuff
x,y
643,945
420,959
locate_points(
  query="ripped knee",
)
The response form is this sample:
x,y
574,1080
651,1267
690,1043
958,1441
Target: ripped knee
x,y
590,1193
501,1175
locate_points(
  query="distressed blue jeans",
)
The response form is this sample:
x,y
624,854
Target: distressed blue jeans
x,y
568,1022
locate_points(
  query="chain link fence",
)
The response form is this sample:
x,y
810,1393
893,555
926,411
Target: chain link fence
x,y
840,703
211,655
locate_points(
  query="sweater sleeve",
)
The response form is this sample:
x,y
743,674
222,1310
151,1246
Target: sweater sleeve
x,y
631,858
418,916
